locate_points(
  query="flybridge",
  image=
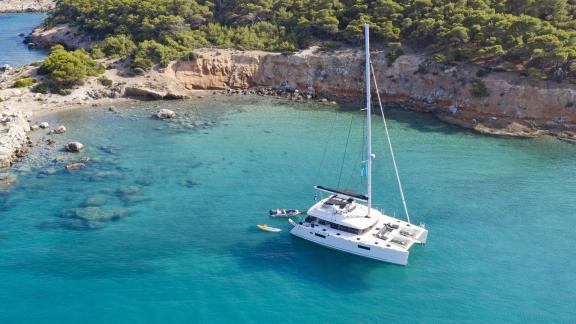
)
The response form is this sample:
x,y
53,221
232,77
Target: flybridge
x,y
346,193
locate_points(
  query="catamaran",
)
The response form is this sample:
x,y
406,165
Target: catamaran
x,y
343,222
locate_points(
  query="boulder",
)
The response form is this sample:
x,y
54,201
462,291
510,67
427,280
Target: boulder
x,y
5,68
134,92
175,96
74,147
164,114
44,125
91,214
128,190
59,130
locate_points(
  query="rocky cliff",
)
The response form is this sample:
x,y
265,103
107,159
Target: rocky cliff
x,y
13,128
511,105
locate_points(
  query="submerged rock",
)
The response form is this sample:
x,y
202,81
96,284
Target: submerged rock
x,y
91,213
96,200
75,224
74,147
191,183
48,171
134,199
75,166
104,175
7,180
129,190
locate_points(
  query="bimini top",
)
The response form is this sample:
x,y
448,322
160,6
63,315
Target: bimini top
x,y
346,193
344,211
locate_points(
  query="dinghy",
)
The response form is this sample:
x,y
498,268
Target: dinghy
x,y
267,228
284,212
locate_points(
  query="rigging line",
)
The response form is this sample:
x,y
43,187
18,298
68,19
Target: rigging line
x,y
361,153
362,150
390,146
326,146
345,150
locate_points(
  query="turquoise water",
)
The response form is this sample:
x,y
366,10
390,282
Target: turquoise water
x,y
14,52
500,214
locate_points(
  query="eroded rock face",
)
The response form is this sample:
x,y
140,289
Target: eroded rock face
x,y
13,138
66,35
412,80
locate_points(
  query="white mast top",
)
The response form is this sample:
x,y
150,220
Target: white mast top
x,y
368,117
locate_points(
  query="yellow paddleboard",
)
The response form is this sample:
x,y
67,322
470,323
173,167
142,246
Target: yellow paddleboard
x,y
267,228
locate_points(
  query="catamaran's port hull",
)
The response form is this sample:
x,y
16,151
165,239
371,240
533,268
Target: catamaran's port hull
x,y
375,252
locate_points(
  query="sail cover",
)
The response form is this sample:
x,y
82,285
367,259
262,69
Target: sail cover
x,y
346,193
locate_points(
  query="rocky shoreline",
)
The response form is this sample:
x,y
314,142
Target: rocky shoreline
x,y
20,6
514,105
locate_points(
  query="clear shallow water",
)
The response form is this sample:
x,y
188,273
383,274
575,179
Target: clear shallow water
x,y
500,214
13,51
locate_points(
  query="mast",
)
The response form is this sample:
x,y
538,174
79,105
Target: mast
x,y
368,117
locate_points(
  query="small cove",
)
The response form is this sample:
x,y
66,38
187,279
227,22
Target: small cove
x,y
499,213
12,26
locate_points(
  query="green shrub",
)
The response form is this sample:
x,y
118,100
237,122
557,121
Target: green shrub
x,y
120,46
65,70
105,81
190,56
43,87
536,74
393,53
23,82
479,89
442,58
97,52
536,33
329,45
151,52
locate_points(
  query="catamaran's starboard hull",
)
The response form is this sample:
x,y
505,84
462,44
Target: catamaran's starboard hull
x,y
376,253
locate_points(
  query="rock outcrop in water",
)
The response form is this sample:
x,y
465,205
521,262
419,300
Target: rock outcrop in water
x,y
164,114
74,147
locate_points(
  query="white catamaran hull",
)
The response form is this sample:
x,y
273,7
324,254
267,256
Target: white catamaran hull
x,y
336,243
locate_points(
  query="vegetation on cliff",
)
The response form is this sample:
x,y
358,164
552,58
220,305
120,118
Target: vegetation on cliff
x,y
23,82
66,69
523,33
